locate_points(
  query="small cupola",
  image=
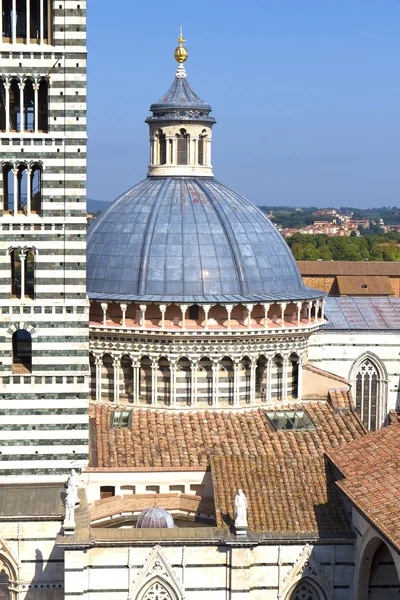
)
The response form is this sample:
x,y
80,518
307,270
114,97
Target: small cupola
x,y
180,128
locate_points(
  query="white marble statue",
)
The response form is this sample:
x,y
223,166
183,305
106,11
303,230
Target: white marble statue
x,y
71,499
240,509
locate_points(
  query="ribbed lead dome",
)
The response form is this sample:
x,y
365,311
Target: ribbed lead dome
x,y
190,240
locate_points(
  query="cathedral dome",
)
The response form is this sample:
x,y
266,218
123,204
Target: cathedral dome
x,y
155,518
190,240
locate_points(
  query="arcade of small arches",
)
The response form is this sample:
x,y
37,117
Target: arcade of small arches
x,y
195,381
26,21
24,104
208,317
22,188
180,148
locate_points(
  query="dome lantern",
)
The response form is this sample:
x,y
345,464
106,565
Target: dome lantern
x,y
180,128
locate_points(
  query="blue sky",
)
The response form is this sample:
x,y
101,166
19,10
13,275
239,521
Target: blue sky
x,y
306,94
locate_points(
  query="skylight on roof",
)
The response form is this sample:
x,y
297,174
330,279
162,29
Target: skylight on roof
x,y
290,420
120,418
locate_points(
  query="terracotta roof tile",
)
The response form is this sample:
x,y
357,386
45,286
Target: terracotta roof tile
x,y
343,267
364,285
164,439
291,494
371,467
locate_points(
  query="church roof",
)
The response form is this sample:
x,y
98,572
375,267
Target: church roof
x,y
370,466
292,494
189,239
283,473
180,96
362,313
161,439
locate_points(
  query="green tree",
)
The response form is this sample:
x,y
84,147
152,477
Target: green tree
x,y
310,253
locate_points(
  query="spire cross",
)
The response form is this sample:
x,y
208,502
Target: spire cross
x,y
181,39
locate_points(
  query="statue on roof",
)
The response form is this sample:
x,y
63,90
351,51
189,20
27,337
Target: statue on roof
x,y
240,509
71,500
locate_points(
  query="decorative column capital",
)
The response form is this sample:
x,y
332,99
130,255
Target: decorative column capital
x,y
116,361
143,307
163,308
299,303
229,308
104,305
124,307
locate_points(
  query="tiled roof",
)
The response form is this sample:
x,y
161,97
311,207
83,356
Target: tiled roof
x,y
371,467
159,438
341,399
291,494
362,313
347,267
364,285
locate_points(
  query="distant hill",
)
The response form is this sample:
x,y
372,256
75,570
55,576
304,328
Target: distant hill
x,y
94,206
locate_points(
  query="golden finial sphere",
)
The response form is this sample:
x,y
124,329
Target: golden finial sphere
x,y
181,54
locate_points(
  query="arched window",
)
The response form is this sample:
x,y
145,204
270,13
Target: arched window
x,y
29,106
36,189
369,392
5,593
22,352
201,147
16,273
8,188
162,141
157,591
22,182
2,105
182,141
22,274
306,590
43,109
15,106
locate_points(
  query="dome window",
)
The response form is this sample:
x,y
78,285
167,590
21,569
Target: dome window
x,y
182,139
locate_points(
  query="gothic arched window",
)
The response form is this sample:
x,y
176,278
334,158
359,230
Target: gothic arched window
x,y
22,352
158,591
5,593
305,590
369,394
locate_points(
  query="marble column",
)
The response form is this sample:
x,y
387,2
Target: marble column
x,y
229,308
124,308
7,85
249,311
283,308
299,307
236,374
269,382
266,310
285,366
316,311
163,308
173,383
143,308
99,364
206,309
104,306
184,308
309,308
154,381
36,108
21,107
29,191
117,365
135,380
193,372
15,173
253,369
22,258
300,377
215,394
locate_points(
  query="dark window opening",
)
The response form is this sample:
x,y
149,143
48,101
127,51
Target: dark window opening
x,y
8,188
21,20
5,584
2,106
194,312
163,148
15,106
107,491
43,99
22,181
200,152
36,194
15,274
30,275
35,20
29,106
7,20
22,352
182,140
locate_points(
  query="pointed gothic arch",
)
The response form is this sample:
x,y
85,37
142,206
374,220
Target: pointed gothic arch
x,y
157,589
8,576
306,589
368,377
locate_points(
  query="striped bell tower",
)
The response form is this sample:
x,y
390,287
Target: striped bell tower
x,y
43,306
